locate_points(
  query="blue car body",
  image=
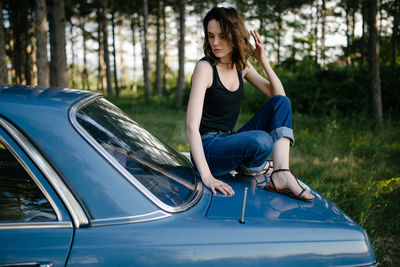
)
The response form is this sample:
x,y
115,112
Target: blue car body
x,y
103,215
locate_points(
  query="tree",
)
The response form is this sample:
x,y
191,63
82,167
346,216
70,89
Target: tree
x,y
20,26
181,71
165,79
145,52
42,61
101,76
3,57
323,28
395,35
373,63
58,44
133,27
121,51
85,75
114,54
73,66
160,8
364,11
393,9
350,8
106,54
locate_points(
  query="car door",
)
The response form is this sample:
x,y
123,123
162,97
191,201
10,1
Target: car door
x,y
35,228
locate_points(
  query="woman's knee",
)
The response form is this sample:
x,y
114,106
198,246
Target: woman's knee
x,y
281,100
261,142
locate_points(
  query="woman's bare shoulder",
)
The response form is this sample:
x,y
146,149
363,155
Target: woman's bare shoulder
x,y
203,73
203,66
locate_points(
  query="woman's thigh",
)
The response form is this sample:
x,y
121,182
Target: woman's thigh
x,y
225,153
277,112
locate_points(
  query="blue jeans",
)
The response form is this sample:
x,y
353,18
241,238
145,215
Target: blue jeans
x,y
251,146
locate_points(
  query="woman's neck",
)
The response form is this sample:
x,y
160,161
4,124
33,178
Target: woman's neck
x,y
227,66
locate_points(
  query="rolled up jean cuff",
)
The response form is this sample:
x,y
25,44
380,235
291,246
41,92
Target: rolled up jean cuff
x,y
254,170
282,132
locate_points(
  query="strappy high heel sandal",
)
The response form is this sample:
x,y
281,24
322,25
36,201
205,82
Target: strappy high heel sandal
x,y
267,168
263,182
271,187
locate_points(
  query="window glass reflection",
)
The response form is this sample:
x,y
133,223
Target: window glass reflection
x,y
20,198
165,173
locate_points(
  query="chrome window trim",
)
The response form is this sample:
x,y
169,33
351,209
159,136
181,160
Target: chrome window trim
x,y
72,116
152,216
34,178
78,215
35,225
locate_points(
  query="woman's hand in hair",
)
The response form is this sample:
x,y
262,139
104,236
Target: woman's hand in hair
x,y
258,51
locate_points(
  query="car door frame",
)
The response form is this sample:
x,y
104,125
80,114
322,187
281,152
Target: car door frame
x,y
45,243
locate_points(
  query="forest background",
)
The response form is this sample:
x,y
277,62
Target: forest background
x,y
338,61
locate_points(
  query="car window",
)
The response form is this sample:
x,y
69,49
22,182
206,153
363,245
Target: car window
x,y
164,172
21,200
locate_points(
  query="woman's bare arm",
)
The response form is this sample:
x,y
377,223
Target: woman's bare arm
x,y
201,80
273,85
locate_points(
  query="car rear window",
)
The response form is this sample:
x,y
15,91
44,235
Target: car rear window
x,y
165,173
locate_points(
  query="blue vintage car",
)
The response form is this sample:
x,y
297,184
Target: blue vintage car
x,y
82,184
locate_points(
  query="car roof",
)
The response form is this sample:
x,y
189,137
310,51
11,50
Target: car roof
x,y
19,98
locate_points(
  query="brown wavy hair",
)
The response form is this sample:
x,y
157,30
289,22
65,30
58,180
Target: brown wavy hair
x,y
233,28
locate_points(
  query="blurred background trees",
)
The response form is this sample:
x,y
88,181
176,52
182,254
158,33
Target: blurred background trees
x,y
142,47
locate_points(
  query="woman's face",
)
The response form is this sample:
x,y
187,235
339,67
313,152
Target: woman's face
x,y
219,43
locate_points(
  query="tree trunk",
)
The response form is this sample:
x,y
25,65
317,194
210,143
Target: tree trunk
x,y
348,18
110,91
101,82
164,58
181,72
146,59
317,12
28,63
121,52
349,32
85,78
72,69
158,49
42,61
396,7
19,26
59,57
374,62
134,83
364,10
278,36
3,57
114,55
323,26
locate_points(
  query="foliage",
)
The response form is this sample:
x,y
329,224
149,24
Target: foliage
x,y
335,91
355,165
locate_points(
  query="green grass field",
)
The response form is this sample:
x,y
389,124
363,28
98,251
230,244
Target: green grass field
x,y
349,160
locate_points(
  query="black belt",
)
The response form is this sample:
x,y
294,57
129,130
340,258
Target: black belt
x,y
219,132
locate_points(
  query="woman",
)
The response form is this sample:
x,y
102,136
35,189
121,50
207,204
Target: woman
x,y
214,104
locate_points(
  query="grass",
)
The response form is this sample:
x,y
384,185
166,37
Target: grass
x,y
348,160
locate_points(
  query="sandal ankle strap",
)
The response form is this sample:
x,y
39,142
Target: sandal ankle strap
x,y
281,170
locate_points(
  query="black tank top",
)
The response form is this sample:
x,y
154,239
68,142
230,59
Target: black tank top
x,y
221,107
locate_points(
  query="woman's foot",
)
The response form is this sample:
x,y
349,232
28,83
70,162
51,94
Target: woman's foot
x,y
283,181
